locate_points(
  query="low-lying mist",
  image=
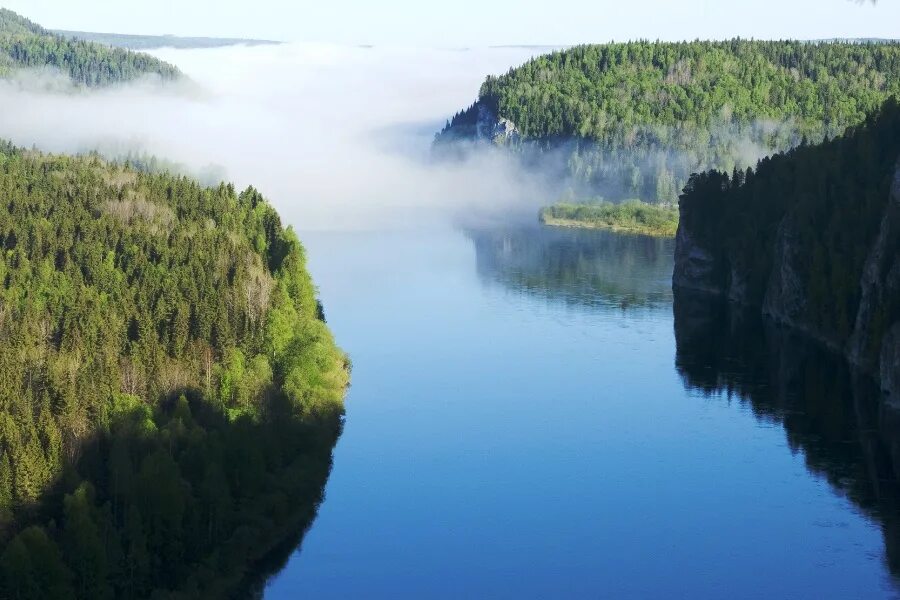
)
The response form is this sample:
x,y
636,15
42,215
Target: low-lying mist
x,y
334,136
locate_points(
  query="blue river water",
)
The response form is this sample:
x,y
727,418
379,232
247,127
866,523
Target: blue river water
x,y
533,415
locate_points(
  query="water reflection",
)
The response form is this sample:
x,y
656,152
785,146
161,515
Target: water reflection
x,y
315,469
832,416
580,267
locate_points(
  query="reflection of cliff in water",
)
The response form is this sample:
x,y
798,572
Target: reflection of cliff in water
x,y
834,417
581,267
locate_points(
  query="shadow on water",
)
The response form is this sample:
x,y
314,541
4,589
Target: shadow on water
x,y
253,586
590,268
833,416
293,530
183,501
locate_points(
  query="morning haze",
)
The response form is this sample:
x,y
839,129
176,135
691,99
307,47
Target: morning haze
x,y
622,320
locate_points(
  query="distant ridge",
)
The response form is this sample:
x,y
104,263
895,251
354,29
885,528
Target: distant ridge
x,y
152,42
26,45
857,41
542,47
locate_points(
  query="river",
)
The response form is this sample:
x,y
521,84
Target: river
x,y
534,416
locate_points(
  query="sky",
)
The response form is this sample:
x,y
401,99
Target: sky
x,y
472,22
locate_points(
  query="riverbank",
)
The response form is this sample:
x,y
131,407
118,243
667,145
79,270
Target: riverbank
x,y
632,216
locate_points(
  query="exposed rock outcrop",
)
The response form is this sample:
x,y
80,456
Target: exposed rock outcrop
x,y
697,266
785,300
880,288
871,342
889,369
492,128
478,124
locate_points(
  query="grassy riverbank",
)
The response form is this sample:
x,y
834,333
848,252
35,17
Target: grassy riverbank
x,y
632,216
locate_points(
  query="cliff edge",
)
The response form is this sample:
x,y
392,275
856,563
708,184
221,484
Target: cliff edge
x,y
811,240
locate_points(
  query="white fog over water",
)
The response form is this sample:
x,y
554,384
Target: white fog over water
x,y
530,414
335,136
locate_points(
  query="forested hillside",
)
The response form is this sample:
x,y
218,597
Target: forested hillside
x,y
25,45
811,236
169,391
634,120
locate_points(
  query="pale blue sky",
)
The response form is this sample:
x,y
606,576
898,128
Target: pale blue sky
x,y
472,22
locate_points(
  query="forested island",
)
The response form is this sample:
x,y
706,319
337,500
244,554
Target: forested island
x,y
170,392
634,120
26,45
812,238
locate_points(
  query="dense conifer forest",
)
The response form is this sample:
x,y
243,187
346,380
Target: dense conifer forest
x,y
634,120
25,45
812,216
169,391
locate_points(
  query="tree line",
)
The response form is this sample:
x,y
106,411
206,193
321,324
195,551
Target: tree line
x,y
826,201
634,120
169,391
25,45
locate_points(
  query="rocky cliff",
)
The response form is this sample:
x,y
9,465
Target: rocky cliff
x,y
881,301
495,129
480,123
791,293
698,265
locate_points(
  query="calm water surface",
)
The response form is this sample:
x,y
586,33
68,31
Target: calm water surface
x,y
532,416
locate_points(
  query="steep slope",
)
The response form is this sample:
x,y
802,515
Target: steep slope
x,y
169,391
26,45
634,120
811,237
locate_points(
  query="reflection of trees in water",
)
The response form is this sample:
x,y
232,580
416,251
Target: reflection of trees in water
x,y
315,473
581,267
834,417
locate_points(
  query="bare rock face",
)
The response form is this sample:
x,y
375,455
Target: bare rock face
x,y
496,130
880,289
785,300
889,370
779,284
873,344
696,267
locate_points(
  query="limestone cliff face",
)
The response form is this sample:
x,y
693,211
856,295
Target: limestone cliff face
x,y
786,298
879,309
873,343
697,265
889,367
880,286
494,129
479,124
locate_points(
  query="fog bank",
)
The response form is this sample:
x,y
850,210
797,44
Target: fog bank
x,y
334,136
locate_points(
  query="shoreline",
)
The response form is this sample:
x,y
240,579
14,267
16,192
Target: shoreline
x,y
615,228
